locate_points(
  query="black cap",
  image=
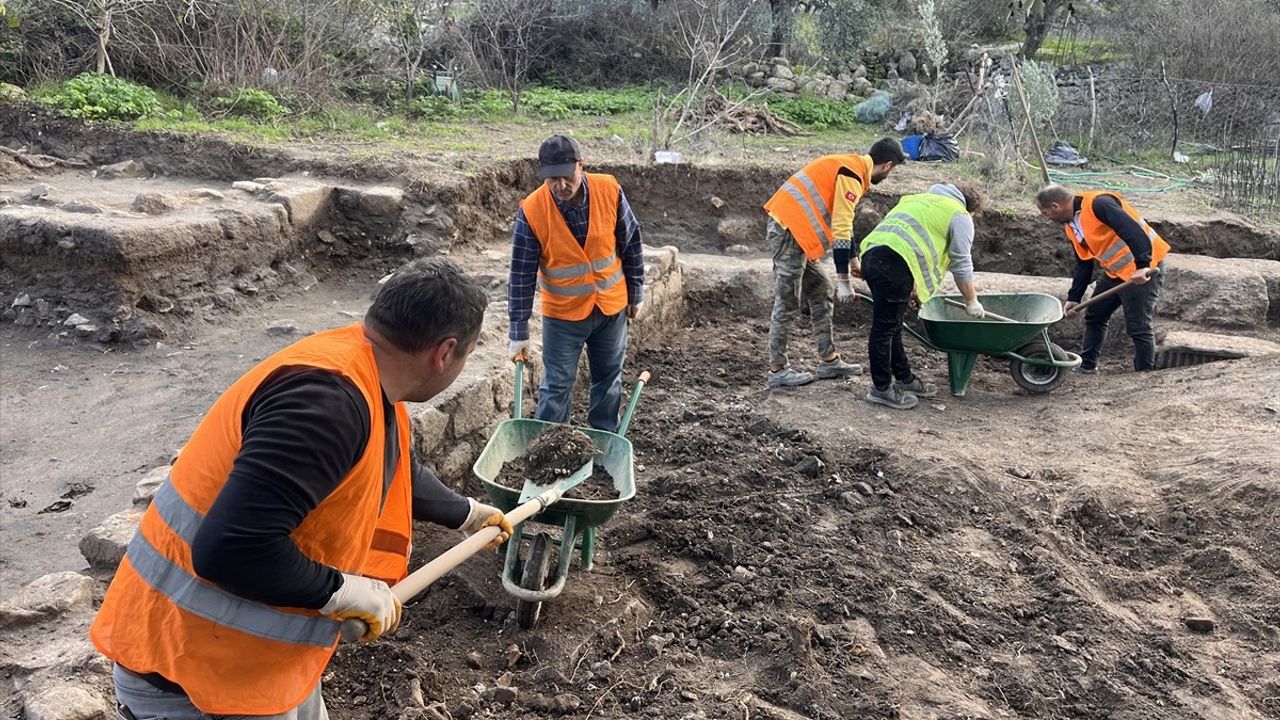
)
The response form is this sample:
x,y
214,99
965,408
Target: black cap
x,y
558,157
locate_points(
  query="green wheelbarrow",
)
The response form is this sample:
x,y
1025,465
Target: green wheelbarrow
x,y
578,519
1016,329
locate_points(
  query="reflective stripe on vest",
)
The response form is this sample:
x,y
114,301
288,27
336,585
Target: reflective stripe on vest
x,y
573,271
803,203
916,229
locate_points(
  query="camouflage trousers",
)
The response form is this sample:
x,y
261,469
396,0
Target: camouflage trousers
x,y
797,281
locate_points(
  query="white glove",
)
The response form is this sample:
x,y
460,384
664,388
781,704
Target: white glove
x,y
974,309
367,599
519,350
482,516
844,291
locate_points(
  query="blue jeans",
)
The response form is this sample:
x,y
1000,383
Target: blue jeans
x,y
606,340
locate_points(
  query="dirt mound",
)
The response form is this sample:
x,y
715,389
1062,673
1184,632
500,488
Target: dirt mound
x,y
784,565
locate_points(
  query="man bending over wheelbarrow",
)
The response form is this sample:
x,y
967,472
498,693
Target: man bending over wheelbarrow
x,y
913,247
1102,226
577,237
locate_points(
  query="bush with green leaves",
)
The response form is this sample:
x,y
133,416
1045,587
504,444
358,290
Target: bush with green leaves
x,y
816,113
92,96
250,102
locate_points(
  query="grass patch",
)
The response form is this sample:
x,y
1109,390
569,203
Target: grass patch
x,y
1061,51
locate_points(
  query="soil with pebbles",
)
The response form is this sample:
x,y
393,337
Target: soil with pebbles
x,y
806,555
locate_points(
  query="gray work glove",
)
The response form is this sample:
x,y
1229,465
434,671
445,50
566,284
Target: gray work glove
x,y
974,309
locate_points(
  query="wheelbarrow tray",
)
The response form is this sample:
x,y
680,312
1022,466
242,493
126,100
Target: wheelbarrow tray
x,y
513,437
949,328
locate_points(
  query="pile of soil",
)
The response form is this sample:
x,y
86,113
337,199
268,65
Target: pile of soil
x,y
557,453
804,555
597,486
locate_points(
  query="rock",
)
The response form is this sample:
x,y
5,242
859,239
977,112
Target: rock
x,y
657,643
86,330
282,328
850,499
1019,472
47,597
737,250
1200,624
104,546
501,695
206,194
862,488
780,61
382,201
756,80
11,92
83,207
837,90
513,655
65,702
907,65
810,466
75,319
1210,291
749,68
147,486
304,202
37,192
742,574
475,660
124,169
157,203
860,72
429,428
780,85
783,72
562,704
248,186
472,412
23,300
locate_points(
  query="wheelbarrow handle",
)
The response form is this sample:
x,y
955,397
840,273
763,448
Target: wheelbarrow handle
x,y
517,407
631,405
419,580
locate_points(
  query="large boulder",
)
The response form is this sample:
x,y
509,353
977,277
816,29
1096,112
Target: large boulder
x,y
47,597
783,72
780,85
1213,292
105,545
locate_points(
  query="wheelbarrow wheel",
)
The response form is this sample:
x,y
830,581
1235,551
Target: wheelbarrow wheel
x,y
533,578
1038,379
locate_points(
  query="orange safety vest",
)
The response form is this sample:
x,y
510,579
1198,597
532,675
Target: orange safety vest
x,y
575,279
803,204
231,655
1101,243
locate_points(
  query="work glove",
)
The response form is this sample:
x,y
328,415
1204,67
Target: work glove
x,y
633,310
844,291
974,309
482,516
368,600
519,350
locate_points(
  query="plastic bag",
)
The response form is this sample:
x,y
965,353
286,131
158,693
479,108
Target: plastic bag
x,y
1063,154
939,147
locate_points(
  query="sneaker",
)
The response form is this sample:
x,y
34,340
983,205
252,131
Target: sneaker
x,y
789,377
893,397
830,369
1084,370
917,387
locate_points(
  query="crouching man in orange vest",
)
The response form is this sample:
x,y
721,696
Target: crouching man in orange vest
x,y
1103,228
578,239
289,510
809,216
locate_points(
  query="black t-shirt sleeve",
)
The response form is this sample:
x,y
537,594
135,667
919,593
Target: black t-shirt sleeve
x,y
1109,211
435,502
1080,279
303,431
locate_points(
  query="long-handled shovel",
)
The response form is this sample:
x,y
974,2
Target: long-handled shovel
x,y
1106,294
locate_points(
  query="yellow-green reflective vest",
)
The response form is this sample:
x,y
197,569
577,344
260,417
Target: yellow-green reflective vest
x,y
916,229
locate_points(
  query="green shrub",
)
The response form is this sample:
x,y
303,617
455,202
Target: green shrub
x,y
251,102
101,97
816,113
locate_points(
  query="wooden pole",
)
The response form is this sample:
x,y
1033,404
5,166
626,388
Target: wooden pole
x,y
1026,108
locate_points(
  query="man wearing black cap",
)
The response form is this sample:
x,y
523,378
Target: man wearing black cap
x,y
577,239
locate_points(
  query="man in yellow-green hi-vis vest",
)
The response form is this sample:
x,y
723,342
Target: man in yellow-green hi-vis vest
x,y
923,237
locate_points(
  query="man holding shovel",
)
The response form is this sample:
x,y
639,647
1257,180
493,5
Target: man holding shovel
x,y
289,510
1103,227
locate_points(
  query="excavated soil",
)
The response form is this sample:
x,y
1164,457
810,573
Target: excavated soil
x,y
554,456
805,555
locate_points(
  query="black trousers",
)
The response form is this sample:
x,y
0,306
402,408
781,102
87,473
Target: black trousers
x,y
1139,303
890,280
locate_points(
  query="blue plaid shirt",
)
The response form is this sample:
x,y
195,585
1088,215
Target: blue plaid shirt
x,y
526,250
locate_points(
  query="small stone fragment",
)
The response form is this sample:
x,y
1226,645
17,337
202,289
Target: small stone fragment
x,y
862,487
1200,624
475,660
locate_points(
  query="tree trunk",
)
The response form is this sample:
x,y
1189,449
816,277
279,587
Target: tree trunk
x,y
780,38
1039,19
104,36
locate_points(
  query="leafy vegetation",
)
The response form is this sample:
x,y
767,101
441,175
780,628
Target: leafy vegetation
x,y
251,102
92,96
